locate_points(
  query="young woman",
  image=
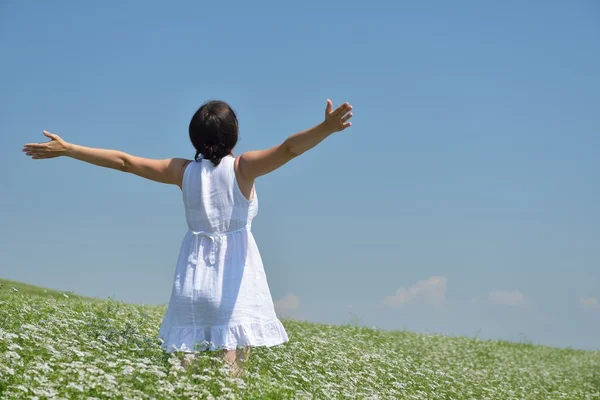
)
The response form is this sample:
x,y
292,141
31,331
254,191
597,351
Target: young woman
x,y
220,298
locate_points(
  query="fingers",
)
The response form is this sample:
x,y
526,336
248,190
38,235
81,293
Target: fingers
x,y
339,118
39,156
36,155
49,135
346,117
342,110
38,151
35,146
35,149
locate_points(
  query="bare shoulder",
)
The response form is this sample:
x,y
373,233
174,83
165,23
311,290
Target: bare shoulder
x,y
179,163
177,167
245,183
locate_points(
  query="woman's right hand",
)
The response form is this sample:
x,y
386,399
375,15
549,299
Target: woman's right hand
x,y
253,164
337,120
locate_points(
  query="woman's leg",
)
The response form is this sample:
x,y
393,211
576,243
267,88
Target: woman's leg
x,y
243,354
229,356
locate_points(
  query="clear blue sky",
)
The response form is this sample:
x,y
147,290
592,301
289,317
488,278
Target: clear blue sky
x,y
464,200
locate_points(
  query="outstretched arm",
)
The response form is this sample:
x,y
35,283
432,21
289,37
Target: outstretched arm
x,y
253,164
168,171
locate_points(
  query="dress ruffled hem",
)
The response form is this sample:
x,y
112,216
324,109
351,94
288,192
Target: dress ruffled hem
x,y
229,337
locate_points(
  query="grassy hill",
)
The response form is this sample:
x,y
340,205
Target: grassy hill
x,y
60,345
32,290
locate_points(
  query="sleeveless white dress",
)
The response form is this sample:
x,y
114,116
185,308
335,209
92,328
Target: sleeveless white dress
x,y
220,297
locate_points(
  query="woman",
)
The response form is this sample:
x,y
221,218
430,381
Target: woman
x,y
220,298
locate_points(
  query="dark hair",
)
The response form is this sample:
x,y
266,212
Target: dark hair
x,y
214,131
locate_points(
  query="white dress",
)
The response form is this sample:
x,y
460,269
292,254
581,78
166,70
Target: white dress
x,y
220,297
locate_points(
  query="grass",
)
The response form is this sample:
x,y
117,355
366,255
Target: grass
x,y
32,290
60,345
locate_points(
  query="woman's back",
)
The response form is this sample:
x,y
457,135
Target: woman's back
x,y
220,296
213,200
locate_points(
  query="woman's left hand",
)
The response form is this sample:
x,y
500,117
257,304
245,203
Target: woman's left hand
x,y
56,147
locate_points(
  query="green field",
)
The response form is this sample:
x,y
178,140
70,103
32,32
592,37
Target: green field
x,y
60,345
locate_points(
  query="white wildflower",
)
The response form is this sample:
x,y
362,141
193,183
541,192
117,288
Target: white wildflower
x,y
128,370
23,388
12,355
75,386
14,346
78,353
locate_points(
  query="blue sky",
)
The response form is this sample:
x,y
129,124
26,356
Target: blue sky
x,y
464,199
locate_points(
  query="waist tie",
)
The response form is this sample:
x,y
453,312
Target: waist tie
x,y
214,237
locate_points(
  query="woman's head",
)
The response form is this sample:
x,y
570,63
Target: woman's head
x,y
214,131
